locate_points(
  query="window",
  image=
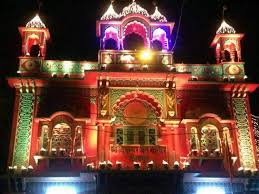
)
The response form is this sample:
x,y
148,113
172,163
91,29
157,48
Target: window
x,y
209,138
152,136
110,44
62,138
157,45
133,41
136,135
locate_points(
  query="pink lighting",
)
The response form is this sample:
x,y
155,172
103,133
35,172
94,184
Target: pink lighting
x,y
138,28
160,35
111,33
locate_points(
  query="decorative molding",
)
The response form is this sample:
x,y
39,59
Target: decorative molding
x,y
247,157
23,131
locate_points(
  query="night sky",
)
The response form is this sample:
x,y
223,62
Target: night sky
x,y
72,27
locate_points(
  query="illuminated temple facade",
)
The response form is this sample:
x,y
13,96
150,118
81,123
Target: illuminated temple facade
x,y
134,114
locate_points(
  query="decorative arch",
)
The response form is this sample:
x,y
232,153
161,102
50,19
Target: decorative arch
x,y
31,40
111,33
129,96
160,35
139,28
230,49
63,136
210,133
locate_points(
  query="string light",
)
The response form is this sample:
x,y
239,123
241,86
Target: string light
x,y
157,16
134,8
110,14
225,29
35,23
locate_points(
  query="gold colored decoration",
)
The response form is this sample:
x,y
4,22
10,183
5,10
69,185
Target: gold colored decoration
x,y
171,103
247,157
62,139
209,138
194,139
136,113
234,70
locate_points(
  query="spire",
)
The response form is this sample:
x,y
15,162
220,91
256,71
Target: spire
x,y
110,14
134,8
157,16
225,28
35,23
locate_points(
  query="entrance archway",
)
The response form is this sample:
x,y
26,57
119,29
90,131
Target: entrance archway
x,y
133,41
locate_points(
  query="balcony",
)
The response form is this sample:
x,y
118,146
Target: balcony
x,y
128,60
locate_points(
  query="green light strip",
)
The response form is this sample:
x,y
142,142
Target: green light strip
x,y
23,132
245,145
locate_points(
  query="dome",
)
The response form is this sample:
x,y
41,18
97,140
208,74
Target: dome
x,y
225,29
110,14
134,8
35,23
157,16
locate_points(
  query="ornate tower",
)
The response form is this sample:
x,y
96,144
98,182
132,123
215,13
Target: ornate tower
x,y
34,37
227,44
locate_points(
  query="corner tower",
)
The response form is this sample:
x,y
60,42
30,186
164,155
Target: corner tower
x,y
227,44
34,37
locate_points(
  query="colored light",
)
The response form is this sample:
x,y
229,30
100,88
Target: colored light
x,y
225,29
146,55
210,190
35,23
61,190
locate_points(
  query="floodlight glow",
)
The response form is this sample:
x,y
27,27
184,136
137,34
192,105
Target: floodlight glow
x,y
210,190
61,190
146,55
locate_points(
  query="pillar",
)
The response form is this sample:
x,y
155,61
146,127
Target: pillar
x,y
241,116
22,143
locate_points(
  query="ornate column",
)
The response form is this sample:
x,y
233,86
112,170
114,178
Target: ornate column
x,y
243,124
22,142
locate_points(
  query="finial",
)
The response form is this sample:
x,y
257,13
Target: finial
x,y
224,8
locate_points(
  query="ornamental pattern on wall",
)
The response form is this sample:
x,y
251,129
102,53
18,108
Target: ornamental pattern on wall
x,y
23,131
115,94
245,145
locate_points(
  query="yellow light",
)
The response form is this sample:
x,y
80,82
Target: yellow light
x,y
146,55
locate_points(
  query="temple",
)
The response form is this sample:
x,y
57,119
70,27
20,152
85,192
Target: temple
x,y
134,121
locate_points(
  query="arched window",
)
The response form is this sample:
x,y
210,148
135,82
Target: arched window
x,y
110,44
62,139
210,138
133,41
44,138
35,50
160,35
194,141
136,135
227,55
157,45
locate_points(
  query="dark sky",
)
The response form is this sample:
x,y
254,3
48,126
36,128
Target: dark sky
x,y
72,27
